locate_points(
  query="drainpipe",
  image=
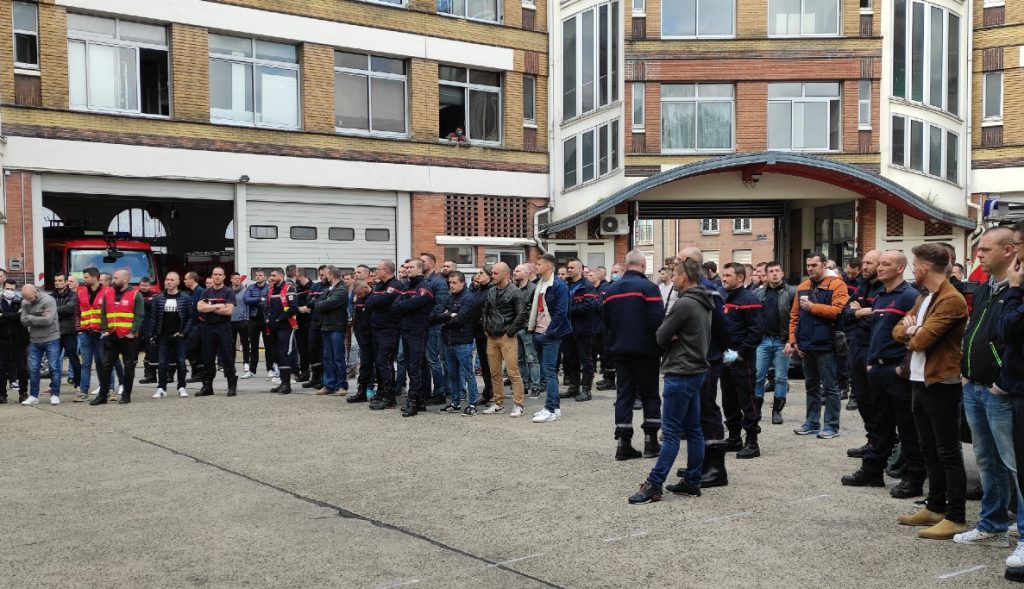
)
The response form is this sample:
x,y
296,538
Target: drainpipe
x,y
536,229
554,114
969,8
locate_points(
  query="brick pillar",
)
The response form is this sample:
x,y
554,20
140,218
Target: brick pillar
x,y
317,88
866,240
513,13
752,127
190,71
423,99
652,123
18,229
513,107
6,54
752,18
53,55
427,223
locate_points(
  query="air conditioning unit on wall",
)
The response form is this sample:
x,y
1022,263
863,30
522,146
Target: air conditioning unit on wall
x,y
614,224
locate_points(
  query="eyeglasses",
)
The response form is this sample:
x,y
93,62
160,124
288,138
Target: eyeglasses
x,y
1018,243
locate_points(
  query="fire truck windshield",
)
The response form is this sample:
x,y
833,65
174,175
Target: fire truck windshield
x,y
138,262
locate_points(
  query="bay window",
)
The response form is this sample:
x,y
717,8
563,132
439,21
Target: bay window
x,y
803,18
370,94
26,35
926,55
594,153
469,100
590,64
925,148
254,82
698,18
804,116
697,117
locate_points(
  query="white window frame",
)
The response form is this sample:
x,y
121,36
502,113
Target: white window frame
x,y
791,100
839,23
644,231
639,107
255,62
925,101
864,105
370,73
614,134
639,7
710,227
399,4
530,4
742,226
992,119
993,3
613,69
466,87
697,99
869,9
498,12
926,150
34,34
91,39
696,16
530,122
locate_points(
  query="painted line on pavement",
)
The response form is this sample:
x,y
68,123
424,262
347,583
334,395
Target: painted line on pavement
x,y
399,584
731,515
963,572
639,534
510,561
807,499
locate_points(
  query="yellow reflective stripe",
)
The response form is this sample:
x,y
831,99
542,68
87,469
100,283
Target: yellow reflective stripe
x,y
118,324
90,312
109,315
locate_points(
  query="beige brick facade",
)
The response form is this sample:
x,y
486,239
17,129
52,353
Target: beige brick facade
x,y
190,70
53,55
317,88
999,43
6,53
423,98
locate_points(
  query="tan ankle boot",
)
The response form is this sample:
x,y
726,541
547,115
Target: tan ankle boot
x,y
922,518
944,530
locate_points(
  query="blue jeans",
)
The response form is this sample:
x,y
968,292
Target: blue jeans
x,y
991,420
170,348
35,358
334,361
92,353
820,379
680,413
436,360
529,366
547,350
459,368
770,352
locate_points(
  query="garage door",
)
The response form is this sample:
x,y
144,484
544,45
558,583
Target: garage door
x,y
313,227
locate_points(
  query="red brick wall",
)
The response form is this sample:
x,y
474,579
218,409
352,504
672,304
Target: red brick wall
x,y
18,230
427,214
866,225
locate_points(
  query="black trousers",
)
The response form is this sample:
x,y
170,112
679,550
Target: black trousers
x,y
128,349
602,355
284,347
194,354
14,364
302,345
710,414
937,416
152,361
415,344
485,369
858,358
258,329
218,344
385,350
315,348
637,377
240,334
365,378
577,357
890,402
738,398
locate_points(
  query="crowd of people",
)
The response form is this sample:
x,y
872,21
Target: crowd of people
x,y
925,369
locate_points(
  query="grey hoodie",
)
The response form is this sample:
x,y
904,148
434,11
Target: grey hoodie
x,y
690,321
40,329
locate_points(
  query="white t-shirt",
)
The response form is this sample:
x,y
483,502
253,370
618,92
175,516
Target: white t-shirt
x,y
918,359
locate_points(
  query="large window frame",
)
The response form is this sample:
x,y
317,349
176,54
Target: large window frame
x,y
591,155
710,226
25,35
530,101
774,15
643,231
926,67
255,64
992,98
467,86
811,93
741,225
590,58
684,7
639,107
864,105
370,72
702,95
461,8
123,44
916,149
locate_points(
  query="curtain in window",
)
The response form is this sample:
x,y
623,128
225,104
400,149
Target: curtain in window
x,y
388,99
277,93
714,129
678,123
351,110
484,115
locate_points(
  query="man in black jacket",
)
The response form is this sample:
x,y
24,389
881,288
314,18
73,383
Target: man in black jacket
x,y
282,306
67,317
578,347
414,306
857,323
363,333
145,344
746,324
314,335
332,310
459,317
504,315
170,324
481,285
385,326
13,343
1010,331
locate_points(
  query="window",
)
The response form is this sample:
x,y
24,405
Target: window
x,y
866,6
864,105
378,235
697,117
639,7
698,18
118,66
302,232
993,3
926,55
590,49
804,117
741,225
709,225
26,35
795,18
992,99
462,255
263,231
370,94
742,256
472,9
341,234
254,82
644,231
137,223
639,92
591,154
530,100
470,100
932,150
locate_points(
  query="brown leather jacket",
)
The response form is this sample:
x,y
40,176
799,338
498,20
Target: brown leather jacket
x,y
940,336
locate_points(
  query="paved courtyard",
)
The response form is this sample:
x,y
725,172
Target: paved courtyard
x,y
303,491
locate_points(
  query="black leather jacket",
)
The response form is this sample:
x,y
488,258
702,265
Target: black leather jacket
x,y
504,311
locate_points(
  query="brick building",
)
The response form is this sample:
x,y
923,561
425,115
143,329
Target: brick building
x,y
321,129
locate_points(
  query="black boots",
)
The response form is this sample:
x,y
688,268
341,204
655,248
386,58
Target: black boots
x,y
232,386
359,396
206,391
383,401
413,407
126,398
607,383
734,443
714,466
751,449
149,374
285,388
588,382
101,399
626,451
651,445
571,391
758,404
863,479
778,404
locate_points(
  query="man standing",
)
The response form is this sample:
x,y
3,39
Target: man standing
x,y
145,341
281,326
504,316
332,309
578,348
13,343
812,321
529,367
195,340
240,321
363,333
482,284
934,331
549,322
742,409
217,305
304,290
435,355
664,283
414,306
314,332
711,271
776,301
857,320
256,301
385,327
121,318
67,318
886,396
170,323
461,314
685,335
39,315
90,306
632,312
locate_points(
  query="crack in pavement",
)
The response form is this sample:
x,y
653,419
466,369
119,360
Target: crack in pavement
x,y
341,511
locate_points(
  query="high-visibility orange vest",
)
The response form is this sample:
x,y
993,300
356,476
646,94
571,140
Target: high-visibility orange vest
x,y
120,312
90,312
283,295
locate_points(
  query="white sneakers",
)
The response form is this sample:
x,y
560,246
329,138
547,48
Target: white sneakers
x,y
545,416
245,367
30,401
517,411
275,380
978,538
1016,559
271,375
182,392
159,394
246,373
54,399
120,390
493,408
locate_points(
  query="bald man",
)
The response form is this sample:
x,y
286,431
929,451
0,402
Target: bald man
x,y
121,318
857,325
39,315
504,315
